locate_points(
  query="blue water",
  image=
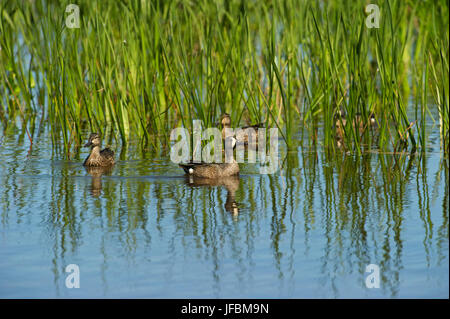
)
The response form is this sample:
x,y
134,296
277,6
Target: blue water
x,y
145,231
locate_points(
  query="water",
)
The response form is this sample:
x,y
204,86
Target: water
x,y
143,230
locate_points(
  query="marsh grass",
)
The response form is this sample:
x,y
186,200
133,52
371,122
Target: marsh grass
x,y
141,68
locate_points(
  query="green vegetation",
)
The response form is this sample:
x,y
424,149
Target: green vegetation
x,y
141,68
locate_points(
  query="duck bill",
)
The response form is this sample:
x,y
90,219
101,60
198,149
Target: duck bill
x,y
88,144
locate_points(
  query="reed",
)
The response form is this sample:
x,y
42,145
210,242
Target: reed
x,y
136,69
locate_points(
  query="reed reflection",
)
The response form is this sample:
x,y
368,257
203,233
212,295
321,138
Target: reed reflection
x,y
326,217
96,173
365,205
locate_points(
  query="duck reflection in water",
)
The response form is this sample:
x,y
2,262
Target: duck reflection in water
x,y
96,173
231,183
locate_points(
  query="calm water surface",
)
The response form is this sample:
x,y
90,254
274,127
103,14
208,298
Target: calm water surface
x,y
143,230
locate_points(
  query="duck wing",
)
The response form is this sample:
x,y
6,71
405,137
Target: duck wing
x,y
203,165
107,153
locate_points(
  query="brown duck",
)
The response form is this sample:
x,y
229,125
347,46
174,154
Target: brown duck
x,y
358,123
98,157
242,136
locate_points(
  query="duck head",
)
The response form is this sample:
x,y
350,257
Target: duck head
x,y
225,120
94,140
232,140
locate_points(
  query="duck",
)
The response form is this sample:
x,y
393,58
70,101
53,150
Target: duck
x,y
225,120
98,157
242,135
358,123
212,170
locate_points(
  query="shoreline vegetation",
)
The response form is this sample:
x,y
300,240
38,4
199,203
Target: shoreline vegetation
x,y
138,69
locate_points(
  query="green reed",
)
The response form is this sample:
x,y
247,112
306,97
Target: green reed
x,y
137,69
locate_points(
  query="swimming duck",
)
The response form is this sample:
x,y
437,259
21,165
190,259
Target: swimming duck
x,y
242,135
96,157
212,170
